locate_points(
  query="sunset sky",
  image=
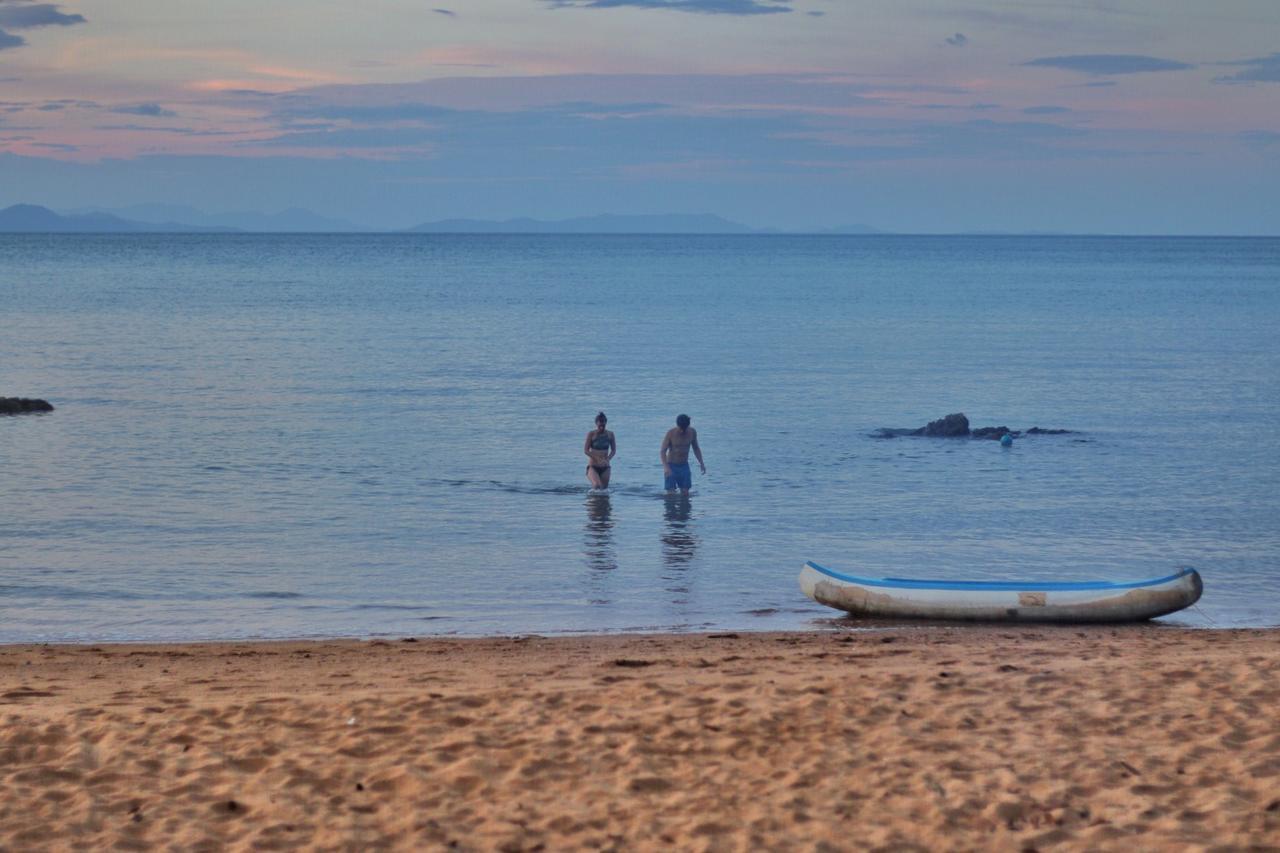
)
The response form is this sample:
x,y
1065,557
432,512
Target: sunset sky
x,y
1099,116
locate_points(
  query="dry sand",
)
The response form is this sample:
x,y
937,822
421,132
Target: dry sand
x,y
1143,738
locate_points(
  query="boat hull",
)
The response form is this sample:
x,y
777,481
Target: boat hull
x,y
1001,601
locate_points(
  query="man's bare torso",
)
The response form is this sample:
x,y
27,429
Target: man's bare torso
x,y
679,444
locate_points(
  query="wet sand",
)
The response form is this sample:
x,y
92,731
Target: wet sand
x,y
1138,738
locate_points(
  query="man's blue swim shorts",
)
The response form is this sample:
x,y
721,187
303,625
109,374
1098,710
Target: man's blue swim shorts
x,y
679,478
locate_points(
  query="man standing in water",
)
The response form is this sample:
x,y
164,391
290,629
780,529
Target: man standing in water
x,y
675,455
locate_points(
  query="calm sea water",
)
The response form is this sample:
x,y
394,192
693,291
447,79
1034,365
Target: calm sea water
x,y
292,436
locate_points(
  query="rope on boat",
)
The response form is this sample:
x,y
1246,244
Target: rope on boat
x,y
1205,615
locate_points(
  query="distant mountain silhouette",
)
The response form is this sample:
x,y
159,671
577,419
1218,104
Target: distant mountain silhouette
x,y
32,219
672,223
294,219
172,218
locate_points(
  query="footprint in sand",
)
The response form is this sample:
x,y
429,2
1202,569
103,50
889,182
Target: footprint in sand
x,y
26,693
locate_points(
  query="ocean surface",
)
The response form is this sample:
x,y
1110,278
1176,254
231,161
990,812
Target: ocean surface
x,y
269,436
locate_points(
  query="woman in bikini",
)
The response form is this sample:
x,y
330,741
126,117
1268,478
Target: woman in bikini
x,y
600,447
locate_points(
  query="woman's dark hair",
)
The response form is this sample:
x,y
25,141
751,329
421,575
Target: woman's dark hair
x,y
601,416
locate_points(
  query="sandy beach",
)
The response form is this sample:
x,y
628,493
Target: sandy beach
x,y
931,738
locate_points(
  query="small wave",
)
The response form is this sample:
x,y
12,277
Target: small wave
x,y
510,488
53,591
675,628
449,391
518,489
551,489
272,594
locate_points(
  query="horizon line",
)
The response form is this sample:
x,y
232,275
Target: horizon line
x,y
408,232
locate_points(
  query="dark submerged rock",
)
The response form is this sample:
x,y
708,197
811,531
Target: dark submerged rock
x,y
889,432
957,426
23,406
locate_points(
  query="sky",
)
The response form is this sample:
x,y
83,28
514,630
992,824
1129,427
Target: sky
x,y
1085,116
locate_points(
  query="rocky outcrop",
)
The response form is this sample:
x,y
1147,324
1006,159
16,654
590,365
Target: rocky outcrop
x,y
952,426
22,406
957,426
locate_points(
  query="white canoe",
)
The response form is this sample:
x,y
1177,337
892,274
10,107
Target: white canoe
x,y
1001,601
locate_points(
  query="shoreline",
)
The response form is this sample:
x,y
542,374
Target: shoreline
x,y
820,621
862,627
866,629
856,625
933,736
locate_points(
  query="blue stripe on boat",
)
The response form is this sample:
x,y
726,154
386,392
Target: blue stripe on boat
x,y
994,586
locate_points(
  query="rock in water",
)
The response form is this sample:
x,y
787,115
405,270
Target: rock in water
x,y
952,426
22,406
957,426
